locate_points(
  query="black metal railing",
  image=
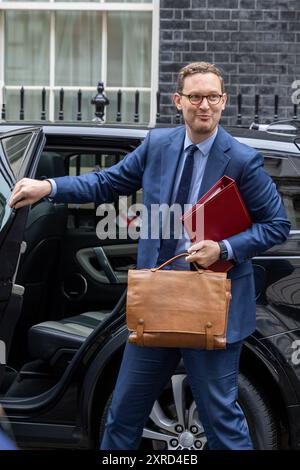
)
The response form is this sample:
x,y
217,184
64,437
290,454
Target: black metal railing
x,y
257,109
100,102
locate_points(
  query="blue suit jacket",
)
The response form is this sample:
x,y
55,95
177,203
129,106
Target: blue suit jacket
x,y
153,165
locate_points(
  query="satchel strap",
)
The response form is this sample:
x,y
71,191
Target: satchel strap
x,y
140,332
169,261
209,336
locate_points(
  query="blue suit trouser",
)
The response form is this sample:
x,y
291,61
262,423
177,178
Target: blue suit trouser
x,y
212,376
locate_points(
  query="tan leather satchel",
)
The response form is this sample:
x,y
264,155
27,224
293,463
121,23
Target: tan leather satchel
x,y
185,309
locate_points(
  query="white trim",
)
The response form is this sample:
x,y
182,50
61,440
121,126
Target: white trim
x,y
82,6
51,102
154,61
2,64
103,77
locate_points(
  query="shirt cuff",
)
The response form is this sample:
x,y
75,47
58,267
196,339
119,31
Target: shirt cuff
x,y
229,249
53,188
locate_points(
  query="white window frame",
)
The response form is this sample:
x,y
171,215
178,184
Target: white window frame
x,y
104,7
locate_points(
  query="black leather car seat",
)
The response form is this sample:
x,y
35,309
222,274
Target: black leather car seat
x,y
56,342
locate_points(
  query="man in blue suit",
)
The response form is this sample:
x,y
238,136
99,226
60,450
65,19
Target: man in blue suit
x,y
177,166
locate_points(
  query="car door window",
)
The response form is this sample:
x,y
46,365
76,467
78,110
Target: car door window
x,y
15,152
287,182
15,147
7,182
4,209
79,163
4,195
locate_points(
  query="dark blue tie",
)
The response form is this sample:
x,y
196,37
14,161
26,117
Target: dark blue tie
x,y
168,247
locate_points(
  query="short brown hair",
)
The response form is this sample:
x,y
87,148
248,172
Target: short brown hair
x,y
197,67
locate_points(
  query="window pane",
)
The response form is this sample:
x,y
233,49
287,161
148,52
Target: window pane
x,y
32,105
129,49
27,47
78,48
15,148
127,111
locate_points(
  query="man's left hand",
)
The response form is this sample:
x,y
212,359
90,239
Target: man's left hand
x,y
204,253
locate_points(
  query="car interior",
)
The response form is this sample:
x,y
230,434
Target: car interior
x,y
72,279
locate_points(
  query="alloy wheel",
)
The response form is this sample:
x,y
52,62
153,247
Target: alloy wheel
x,y
174,423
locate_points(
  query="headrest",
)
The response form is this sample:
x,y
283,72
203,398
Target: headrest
x,y
50,165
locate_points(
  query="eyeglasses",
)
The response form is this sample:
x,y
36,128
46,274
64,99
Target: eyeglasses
x,y
197,99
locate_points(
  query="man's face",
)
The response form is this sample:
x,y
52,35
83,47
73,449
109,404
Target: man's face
x,y
201,119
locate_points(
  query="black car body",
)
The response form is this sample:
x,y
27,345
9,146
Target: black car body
x,y
65,332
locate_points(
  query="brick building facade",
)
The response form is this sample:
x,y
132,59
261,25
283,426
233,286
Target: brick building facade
x,y
256,43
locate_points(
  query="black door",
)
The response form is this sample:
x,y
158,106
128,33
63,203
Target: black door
x,y
18,152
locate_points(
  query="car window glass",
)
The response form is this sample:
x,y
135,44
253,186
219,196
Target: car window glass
x,y
287,181
15,148
81,162
5,192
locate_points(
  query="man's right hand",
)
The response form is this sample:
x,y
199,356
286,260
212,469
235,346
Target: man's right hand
x,y
28,191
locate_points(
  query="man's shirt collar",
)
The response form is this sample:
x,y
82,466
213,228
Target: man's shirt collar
x,y
204,146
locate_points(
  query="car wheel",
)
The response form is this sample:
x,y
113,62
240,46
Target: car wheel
x,y
174,423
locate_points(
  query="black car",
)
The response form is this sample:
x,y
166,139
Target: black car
x,y
62,302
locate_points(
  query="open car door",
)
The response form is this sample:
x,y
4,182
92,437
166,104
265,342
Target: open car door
x,y
19,154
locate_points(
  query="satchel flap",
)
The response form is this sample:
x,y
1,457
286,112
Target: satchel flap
x,y
183,301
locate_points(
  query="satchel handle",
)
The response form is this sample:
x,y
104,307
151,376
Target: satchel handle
x,y
169,261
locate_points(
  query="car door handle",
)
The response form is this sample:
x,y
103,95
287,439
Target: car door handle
x,y
105,265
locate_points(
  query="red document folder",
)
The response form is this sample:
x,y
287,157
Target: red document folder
x,y
219,214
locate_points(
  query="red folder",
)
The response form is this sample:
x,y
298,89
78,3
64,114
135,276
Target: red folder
x,y
219,214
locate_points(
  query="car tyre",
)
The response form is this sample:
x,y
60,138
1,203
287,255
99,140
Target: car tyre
x,y
261,419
